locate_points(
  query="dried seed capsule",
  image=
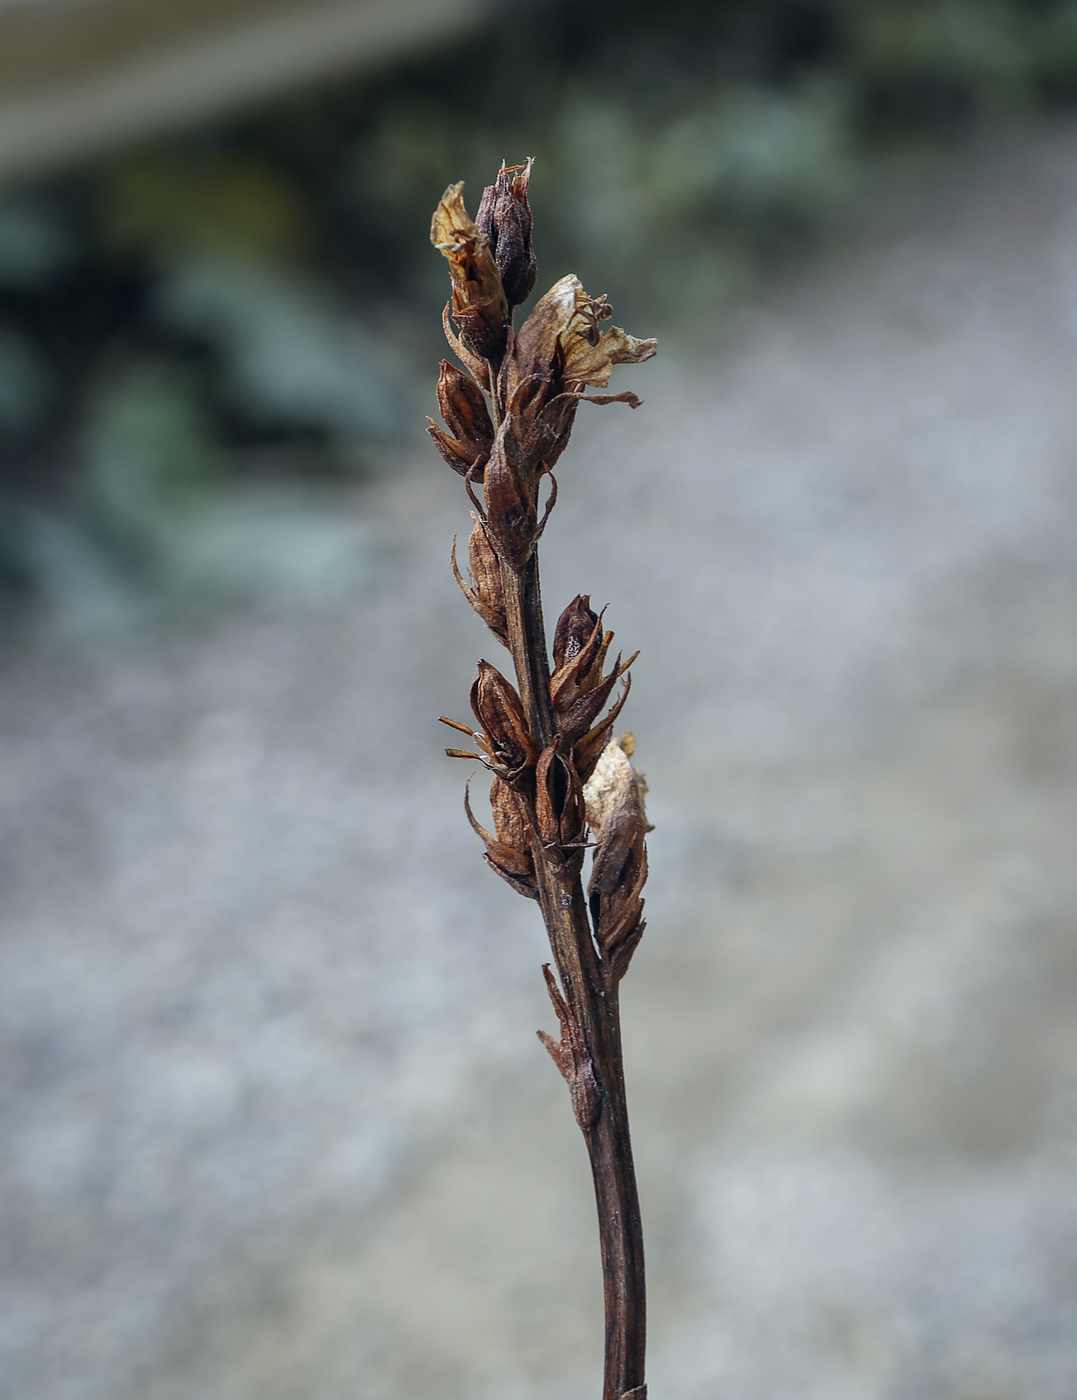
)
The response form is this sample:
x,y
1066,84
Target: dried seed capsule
x,y
464,410
510,823
579,652
505,738
575,626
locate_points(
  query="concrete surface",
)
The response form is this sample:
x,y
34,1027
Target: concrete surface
x,y
275,1122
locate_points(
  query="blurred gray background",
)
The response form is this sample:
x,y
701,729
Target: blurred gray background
x,y
275,1121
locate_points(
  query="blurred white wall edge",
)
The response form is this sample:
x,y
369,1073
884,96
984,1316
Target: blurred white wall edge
x,y
83,75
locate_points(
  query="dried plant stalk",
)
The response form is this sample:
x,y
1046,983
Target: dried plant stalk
x,y
558,775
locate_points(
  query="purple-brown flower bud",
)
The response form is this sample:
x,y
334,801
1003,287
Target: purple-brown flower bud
x,y
479,305
505,218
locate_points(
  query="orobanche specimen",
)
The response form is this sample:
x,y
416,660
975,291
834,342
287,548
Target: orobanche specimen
x,y
561,784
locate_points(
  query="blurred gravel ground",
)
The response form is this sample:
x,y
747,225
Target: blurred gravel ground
x,y
275,1123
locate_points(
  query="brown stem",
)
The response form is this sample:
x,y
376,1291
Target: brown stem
x,y
527,643
594,1005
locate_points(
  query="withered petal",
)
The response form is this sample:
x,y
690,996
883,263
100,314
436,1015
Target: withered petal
x,y
451,221
632,400
587,363
538,341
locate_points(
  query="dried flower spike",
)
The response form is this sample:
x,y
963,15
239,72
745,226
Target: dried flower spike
x,y
557,773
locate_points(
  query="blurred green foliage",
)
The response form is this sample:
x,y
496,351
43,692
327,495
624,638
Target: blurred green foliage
x,y
204,340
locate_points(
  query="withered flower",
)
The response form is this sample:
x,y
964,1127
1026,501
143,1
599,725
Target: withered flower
x,y
505,218
618,822
575,627
579,651
578,689
563,337
479,306
559,351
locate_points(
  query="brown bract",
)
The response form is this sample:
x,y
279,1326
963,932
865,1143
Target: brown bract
x,y
559,810
571,1056
479,305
